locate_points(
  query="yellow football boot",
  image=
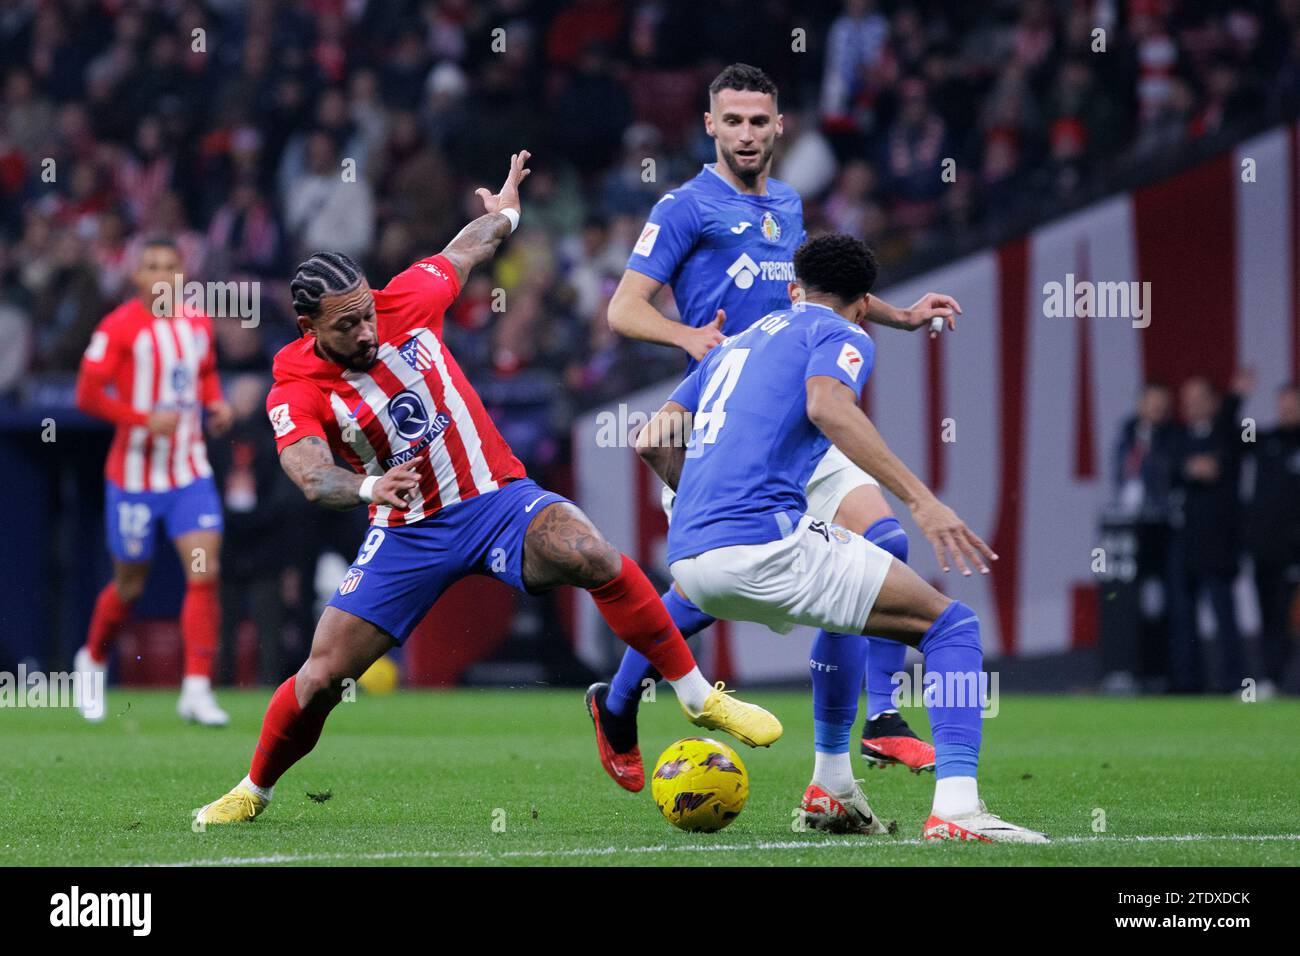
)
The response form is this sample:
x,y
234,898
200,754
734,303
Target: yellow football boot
x,y
238,806
746,722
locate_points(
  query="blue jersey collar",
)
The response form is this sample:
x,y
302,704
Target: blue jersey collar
x,y
713,168
804,304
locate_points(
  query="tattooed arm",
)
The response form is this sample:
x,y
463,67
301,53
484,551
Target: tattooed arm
x,y
478,241
662,443
311,466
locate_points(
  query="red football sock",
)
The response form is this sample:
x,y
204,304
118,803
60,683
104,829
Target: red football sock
x,y
634,611
200,621
111,612
288,734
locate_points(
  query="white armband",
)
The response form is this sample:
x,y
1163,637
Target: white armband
x,y
513,216
367,490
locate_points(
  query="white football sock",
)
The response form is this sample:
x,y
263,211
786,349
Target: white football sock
x,y
195,684
954,796
262,792
834,772
692,690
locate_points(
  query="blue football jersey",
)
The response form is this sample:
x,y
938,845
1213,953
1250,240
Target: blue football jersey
x,y
752,447
721,249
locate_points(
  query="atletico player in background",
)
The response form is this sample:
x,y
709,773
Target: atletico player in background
x,y
151,373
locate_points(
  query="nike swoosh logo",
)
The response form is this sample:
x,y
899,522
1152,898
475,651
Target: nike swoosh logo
x,y
741,228
537,499
353,413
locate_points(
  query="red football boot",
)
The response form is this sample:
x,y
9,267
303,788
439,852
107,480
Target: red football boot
x,y
624,765
888,740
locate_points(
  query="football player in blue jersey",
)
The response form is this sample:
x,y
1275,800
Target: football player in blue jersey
x,y
743,545
725,241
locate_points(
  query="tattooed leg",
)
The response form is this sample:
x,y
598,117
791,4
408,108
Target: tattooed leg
x,y
562,546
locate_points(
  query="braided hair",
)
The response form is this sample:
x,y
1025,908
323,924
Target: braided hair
x,y
322,274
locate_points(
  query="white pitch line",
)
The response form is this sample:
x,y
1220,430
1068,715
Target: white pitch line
x,y
686,848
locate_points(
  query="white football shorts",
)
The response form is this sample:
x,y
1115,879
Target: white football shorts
x,y
820,575
834,477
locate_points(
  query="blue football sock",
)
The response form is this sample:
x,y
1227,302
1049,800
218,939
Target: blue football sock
x,y
629,681
884,658
954,664
836,661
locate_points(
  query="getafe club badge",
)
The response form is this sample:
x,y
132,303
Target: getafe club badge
x,y
771,228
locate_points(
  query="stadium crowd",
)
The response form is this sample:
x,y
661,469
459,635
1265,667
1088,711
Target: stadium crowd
x,y
255,132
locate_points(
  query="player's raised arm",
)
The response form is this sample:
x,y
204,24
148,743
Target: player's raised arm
x,y
833,408
311,466
662,443
921,314
479,240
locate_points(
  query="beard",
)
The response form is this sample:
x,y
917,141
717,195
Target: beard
x,y
748,176
356,362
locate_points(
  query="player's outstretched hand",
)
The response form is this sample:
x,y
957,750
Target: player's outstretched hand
x,y
399,486
952,540
508,197
700,341
930,306
164,423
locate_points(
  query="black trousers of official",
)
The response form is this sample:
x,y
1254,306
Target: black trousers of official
x,y
1184,591
1275,584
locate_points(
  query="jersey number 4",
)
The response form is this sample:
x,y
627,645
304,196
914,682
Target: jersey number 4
x,y
710,418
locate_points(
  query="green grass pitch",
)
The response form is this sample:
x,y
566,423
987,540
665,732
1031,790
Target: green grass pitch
x,y
510,778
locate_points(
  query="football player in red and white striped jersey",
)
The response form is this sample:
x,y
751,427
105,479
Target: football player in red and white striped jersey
x,y
372,381
152,374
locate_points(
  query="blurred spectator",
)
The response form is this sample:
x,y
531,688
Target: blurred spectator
x,y
28,115
914,150
854,46
805,160
68,305
259,501
1204,548
418,186
626,188
1273,532
322,210
592,112
849,203
1135,639
1144,465
244,235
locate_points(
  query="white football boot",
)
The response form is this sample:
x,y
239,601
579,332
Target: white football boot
x,y
92,678
980,825
198,704
841,813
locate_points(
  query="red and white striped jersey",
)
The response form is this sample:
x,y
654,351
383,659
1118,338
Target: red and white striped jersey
x,y
151,364
414,402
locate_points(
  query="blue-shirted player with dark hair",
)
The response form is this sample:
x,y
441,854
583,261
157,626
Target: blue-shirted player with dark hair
x,y
725,242
765,405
